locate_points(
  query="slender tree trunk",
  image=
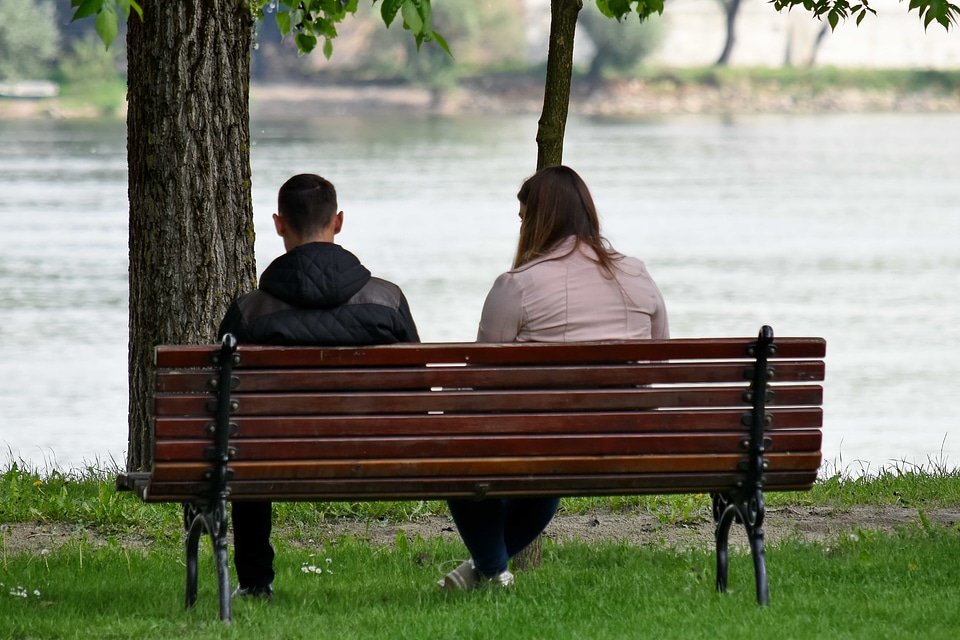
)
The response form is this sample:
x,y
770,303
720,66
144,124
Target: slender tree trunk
x,y
730,9
553,124
191,213
817,42
556,91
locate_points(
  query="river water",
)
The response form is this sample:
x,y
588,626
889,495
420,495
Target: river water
x,y
842,226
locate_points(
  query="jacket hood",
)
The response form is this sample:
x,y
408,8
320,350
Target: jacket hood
x,y
319,275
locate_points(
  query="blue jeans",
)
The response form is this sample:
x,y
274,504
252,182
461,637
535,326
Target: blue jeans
x,y
496,529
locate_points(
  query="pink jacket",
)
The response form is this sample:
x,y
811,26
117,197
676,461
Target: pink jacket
x,y
569,300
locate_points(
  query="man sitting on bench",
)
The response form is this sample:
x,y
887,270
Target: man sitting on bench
x,y
317,293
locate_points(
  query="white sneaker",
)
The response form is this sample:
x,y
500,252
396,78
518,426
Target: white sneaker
x,y
464,577
502,579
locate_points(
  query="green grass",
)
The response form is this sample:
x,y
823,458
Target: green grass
x,y
87,498
106,98
810,80
863,585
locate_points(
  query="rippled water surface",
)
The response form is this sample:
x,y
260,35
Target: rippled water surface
x,y
846,227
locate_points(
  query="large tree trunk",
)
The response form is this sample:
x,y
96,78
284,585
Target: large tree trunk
x,y
556,90
191,213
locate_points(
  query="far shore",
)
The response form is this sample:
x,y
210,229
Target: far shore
x,y
663,95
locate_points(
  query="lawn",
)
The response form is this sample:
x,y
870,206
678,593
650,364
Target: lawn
x,y
864,583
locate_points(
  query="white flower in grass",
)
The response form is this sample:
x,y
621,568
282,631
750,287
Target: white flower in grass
x,y
306,567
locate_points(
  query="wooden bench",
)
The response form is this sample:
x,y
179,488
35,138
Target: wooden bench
x,y
733,417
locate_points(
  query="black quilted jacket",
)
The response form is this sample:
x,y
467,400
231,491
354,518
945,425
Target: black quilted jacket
x,y
320,294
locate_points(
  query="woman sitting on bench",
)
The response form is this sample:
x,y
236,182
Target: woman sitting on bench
x,y
567,285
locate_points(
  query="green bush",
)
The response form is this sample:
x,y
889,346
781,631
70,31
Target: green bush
x,y
28,39
620,46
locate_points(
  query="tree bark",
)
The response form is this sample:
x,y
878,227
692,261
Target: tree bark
x,y
191,210
556,90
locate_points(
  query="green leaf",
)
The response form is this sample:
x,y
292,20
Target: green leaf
x,y
136,7
327,48
619,8
604,7
86,8
306,42
389,9
938,10
108,23
426,13
411,18
296,19
442,42
833,18
283,22
326,28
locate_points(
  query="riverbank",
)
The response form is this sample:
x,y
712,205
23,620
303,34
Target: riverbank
x,y
654,92
667,92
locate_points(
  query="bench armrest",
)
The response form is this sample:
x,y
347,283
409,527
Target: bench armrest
x,y
136,481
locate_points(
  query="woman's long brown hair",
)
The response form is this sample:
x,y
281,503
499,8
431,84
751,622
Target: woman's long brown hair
x,y
558,205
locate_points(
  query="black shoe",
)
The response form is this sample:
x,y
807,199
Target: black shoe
x,y
265,592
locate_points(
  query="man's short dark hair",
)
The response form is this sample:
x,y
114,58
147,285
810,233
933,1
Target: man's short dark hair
x,y
308,203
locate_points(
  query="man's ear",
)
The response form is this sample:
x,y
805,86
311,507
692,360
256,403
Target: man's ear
x,y
338,222
279,224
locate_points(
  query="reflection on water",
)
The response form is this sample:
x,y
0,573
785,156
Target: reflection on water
x,y
840,226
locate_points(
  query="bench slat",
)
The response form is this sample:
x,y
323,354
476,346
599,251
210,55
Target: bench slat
x,y
631,421
498,486
482,377
476,353
460,467
492,446
489,401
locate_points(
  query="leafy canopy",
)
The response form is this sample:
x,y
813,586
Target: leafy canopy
x,y
942,11
108,15
314,19
310,20
619,9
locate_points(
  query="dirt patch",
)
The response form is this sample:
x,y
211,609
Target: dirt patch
x,y
814,524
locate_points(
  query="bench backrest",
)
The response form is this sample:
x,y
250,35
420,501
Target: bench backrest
x,y
425,421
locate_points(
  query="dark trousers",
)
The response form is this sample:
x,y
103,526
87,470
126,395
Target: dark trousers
x,y
495,530
252,553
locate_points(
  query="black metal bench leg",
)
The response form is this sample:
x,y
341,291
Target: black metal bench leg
x,y
218,537
753,521
214,523
750,512
723,516
195,527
